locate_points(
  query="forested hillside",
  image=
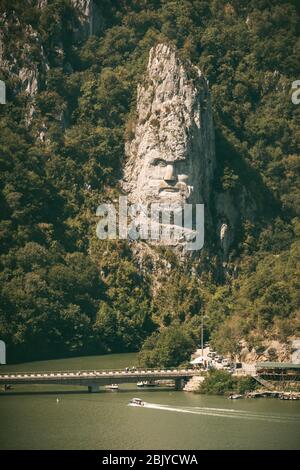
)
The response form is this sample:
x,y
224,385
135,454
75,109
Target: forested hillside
x,y
71,97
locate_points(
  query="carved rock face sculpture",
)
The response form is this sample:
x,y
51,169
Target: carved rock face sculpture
x,y
170,158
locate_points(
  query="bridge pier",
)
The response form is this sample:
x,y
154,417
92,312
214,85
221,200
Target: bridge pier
x,y
92,388
179,384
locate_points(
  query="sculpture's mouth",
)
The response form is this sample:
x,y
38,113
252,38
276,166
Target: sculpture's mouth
x,y
169,189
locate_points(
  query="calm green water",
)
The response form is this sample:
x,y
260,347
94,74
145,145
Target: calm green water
x,y
172,420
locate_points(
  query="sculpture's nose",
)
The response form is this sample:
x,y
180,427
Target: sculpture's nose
x,y
169,173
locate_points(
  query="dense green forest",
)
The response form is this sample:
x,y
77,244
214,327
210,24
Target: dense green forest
x,y
65,292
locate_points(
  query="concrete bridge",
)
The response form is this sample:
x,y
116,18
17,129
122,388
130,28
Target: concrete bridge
x,y
93,379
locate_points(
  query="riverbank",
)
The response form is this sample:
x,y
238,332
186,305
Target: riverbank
x,y
282,395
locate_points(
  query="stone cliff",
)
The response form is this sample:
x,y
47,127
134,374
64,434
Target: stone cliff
x,y
88,15
28,66
170,154
173,124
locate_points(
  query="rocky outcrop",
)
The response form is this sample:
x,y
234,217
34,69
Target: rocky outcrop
x,y
25,61
29,73
230,212
173,125
29,64
194,384
90,18
88,15
170,149
171,152
270,350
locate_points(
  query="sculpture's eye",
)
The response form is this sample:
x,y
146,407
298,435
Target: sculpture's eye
x,y
181,166
159,162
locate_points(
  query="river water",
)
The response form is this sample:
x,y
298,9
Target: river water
x,y
171,419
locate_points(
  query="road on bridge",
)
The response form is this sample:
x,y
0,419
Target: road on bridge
x,y
95,378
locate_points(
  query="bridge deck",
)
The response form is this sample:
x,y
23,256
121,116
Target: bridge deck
x,y
99,377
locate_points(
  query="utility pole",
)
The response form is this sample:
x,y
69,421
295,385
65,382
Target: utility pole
x,y
202,328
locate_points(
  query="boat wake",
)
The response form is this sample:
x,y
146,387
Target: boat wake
x,y
226,413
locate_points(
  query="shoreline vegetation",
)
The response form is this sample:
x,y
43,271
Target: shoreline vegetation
x,y
218,382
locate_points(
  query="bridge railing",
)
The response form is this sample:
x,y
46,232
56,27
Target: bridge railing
x,y
82,372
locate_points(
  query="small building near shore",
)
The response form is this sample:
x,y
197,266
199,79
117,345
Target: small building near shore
x,y
278,370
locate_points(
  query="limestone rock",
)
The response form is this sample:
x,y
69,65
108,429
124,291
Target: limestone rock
x,y
171,157
29,73
230,212
89,16
174,127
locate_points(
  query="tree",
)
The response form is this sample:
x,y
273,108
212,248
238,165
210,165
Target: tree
x,y
170,347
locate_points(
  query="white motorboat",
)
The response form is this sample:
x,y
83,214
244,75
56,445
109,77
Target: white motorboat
x,y
112,387
235,396
146,383
136,402
150,383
